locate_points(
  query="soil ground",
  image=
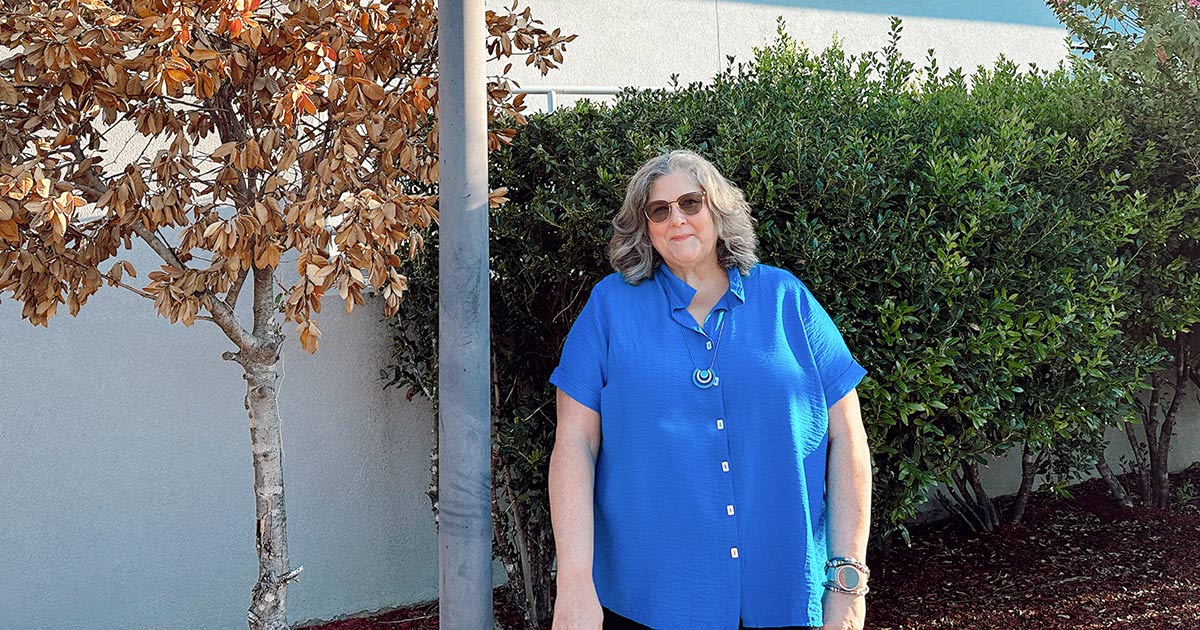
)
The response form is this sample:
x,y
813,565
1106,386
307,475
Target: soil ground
x,y
1078,563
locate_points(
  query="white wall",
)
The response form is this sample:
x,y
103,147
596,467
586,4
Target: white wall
x,y
1003,476
635,43
126,482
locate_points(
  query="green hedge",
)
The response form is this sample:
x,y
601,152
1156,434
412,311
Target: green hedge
x,y
974,238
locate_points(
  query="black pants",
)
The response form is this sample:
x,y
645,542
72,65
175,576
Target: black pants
x,y
613,621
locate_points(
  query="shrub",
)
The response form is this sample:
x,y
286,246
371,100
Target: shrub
x,y
968,237
1147,50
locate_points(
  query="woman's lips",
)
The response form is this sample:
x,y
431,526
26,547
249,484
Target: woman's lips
x,y
681,237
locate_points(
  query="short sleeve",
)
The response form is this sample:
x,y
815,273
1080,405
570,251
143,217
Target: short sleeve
x,y
839,372
582,370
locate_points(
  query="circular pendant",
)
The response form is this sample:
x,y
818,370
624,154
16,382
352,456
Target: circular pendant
x,y
704,378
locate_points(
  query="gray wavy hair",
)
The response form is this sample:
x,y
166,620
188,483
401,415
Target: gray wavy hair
x,y
630,250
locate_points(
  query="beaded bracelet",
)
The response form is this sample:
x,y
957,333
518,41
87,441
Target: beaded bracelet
x,y
830,585
838,582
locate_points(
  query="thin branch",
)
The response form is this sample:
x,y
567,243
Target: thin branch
x,y
126,286
181,102
107,277
223,315
226,320
231,296
163,250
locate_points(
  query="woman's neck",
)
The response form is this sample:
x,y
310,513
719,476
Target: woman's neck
x,y
703,278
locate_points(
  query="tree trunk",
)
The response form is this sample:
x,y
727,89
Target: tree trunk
x,y
268,602
261,361
986,508
958,507
1030,463
970,502
1143,459
1114,485
1141,468
1160,466
532,618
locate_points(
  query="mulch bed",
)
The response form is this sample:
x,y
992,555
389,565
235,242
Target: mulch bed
x,y
1080,563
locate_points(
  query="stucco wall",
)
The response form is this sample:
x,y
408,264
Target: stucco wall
x,y
1003,476
126,482
630,42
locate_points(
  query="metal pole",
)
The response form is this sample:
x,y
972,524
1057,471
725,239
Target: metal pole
x,y
464,403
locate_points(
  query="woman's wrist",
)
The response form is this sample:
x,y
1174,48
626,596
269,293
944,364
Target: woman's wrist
x,y
573,578
847,575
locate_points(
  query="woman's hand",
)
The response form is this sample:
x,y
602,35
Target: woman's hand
x,y
844,611
576,607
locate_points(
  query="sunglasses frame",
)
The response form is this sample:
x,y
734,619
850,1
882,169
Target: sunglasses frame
x,y
675,202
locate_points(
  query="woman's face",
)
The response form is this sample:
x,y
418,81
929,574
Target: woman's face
x,y
684,241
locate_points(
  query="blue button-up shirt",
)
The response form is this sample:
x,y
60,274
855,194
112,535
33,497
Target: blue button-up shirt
x,y
709,503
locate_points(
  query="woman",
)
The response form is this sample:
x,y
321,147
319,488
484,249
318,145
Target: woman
x,y
710,469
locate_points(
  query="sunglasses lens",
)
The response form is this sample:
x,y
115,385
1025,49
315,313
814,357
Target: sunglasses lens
x,y
658,212
691,203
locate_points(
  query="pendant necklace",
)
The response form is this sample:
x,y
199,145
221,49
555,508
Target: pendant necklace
x,y
704,378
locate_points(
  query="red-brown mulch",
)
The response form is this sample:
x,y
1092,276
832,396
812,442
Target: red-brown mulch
x,y
1079,563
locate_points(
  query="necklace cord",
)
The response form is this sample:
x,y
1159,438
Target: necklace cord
x,y
716,348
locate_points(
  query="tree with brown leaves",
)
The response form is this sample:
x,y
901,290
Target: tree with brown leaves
x,y
306,128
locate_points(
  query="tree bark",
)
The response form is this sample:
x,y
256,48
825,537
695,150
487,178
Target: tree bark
x,y
970,505
986,508
1114,485
268,598
1160,466
1143,457
959,507
1141,469
1030,463
268,602
517,523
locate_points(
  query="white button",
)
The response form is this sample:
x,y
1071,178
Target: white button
x,y
720,424
729,510
724,466
733,552
708,346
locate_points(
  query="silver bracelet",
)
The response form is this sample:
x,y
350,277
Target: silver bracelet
x,y
830,585
840,582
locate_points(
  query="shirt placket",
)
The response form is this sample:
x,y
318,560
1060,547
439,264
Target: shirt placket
x,y
704,344
725,505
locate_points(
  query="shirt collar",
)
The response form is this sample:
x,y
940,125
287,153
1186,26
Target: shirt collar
x,y
680,294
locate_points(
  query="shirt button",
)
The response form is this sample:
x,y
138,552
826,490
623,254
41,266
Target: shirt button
x,y
733,552
720,424
708,345
724,466
729,509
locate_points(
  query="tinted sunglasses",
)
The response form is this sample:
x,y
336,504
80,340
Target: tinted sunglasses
x,y
689,204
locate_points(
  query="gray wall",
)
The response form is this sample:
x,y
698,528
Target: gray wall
x,y
125,476
1003,476
126,482
632,42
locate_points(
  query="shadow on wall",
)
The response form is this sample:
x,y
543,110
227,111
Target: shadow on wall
x,y
1030,12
